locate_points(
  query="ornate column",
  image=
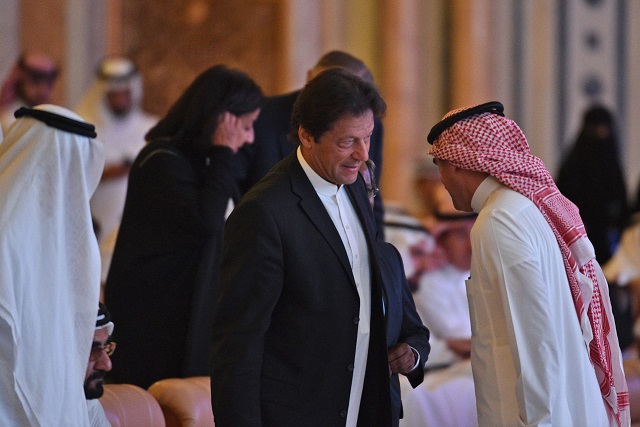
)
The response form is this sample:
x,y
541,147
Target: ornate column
x,y
49,18
9,43
399,85
471,47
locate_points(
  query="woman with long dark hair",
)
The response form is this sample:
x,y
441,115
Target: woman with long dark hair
x,y
161,287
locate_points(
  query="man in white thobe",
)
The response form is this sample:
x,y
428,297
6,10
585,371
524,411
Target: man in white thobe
x,y
114,105
49,266
544,349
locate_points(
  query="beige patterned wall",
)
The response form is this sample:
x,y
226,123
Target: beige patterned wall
x,y
172,41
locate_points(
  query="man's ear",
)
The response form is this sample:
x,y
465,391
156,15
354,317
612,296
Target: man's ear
x,y
306,139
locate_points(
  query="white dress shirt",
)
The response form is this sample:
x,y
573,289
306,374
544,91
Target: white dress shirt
x,y
338,205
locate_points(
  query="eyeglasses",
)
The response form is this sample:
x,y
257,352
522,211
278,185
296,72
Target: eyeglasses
x,y
96,352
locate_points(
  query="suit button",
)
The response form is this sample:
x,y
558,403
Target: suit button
x,y
343,414
350,367
356,320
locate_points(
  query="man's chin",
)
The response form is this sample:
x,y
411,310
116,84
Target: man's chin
x,y
94,390
349,179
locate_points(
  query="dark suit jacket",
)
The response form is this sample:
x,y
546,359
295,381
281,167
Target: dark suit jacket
x,y
287,318
271,145
402,321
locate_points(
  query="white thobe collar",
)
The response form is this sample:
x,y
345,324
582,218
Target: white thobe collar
x,y
482,193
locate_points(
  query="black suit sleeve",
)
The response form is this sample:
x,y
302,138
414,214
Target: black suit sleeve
x,y
412,331
375,153
415,334
250,286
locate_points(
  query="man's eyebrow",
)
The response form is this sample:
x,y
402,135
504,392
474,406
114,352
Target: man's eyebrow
x,y
98,343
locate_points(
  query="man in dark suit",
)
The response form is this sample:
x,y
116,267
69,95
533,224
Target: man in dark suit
x,y
312,327
272,129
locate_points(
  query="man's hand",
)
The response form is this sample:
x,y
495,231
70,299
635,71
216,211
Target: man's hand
x,y
401,359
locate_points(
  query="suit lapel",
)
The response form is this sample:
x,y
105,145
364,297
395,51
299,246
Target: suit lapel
x,y
358,195
375,403
316,212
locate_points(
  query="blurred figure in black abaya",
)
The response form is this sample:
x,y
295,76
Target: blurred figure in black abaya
x,y
591,177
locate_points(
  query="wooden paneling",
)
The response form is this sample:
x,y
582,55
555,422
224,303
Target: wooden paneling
x,y
49,20
172,41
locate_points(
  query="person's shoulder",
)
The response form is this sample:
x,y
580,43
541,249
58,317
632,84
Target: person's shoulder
x,y
506,200
509,213
159,150
278,105
286,98
276,184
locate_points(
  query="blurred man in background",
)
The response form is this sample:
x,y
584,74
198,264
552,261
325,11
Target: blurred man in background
x,y
114,105
30,83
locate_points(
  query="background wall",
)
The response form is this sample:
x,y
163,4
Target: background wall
x,y
545,60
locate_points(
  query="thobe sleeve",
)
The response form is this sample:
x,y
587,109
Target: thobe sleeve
x,y
516,270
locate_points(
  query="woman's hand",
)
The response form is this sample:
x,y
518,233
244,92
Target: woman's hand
x,y
229,132
235,131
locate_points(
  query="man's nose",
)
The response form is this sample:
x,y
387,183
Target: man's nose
x,y
104,363
361,150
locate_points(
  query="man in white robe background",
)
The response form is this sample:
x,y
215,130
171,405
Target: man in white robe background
x,y
114,105
50,165
544,349
30,82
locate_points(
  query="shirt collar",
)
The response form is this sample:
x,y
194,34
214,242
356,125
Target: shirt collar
x,y
321,185
482,193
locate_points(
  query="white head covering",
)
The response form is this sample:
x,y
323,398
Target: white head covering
x,y
49,271
113,73
103,320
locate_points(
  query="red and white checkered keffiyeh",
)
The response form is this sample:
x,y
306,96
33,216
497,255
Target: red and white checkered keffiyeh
x,y
494,144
